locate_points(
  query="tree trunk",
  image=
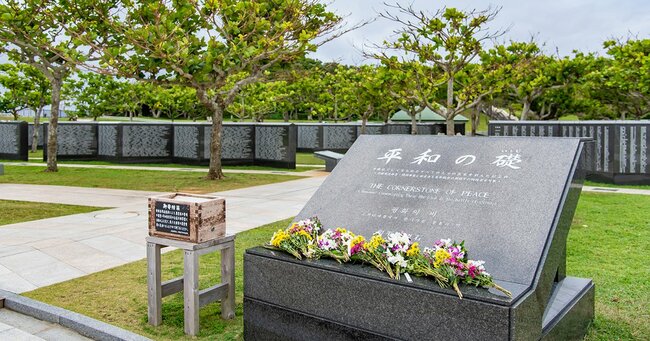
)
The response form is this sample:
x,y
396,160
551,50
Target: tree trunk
x,y
414,124
15,114
56,83
215,172
451,131
525,110
37,125
474,118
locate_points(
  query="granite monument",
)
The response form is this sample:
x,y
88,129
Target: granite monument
x,y
471,189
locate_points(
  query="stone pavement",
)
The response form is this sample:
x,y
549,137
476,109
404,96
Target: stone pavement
x,y
15,326
616,190
43,252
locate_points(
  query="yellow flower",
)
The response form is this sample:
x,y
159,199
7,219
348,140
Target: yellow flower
x,y
357,240
340,230
376,241
279,237
414,250
440,256
304,233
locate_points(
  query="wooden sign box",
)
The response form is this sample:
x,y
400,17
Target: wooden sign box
x,y
187,217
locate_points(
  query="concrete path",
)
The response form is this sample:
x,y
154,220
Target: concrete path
x,y
616,190
169,169
16,326
43,252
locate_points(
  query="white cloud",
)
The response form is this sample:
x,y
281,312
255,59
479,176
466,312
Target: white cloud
x,y
562,24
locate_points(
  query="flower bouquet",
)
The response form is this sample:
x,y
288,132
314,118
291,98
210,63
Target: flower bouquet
x,y
334,244
298,239
450,260
446,262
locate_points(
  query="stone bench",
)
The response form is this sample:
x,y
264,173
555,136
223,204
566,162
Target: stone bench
x,y
331,158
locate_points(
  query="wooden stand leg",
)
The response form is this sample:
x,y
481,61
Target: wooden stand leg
x,y
153,282
228,276
191,292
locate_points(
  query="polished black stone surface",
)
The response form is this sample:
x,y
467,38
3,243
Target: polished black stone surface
x,y
464,189
619,153
524,245
13,140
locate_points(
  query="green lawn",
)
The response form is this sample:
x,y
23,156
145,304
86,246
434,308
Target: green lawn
x,y
301,158
600,184
609,242
12,212
136,179
119,296
308,159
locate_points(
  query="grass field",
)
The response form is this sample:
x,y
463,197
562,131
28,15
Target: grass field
x,y
12,212
609,242
301,158
136,179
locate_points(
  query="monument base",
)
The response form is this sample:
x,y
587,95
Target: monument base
x,y
289,299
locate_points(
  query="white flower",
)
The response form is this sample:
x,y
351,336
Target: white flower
x,y
397,259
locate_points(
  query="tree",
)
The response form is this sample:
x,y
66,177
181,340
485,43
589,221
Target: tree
x,y
527,70
406,86
371,94
94,95
258,100
201,44
447,40
30,34
16,87
25,87
628,73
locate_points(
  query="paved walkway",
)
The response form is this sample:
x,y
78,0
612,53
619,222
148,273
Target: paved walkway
x,y
43,252
172,169
616,190
16,326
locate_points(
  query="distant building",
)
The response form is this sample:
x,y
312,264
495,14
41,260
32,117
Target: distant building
x,y
426,116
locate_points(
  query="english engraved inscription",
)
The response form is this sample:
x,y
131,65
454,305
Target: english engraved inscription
x,y
432,187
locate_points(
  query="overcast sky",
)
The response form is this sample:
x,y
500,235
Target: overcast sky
x,y
562,24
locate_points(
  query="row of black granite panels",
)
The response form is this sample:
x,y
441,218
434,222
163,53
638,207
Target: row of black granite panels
x,y
340,137
242,144
617,154
335,137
